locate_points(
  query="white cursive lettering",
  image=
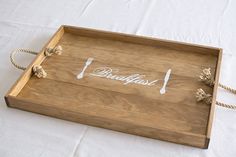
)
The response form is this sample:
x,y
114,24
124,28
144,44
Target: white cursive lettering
x,y
107,72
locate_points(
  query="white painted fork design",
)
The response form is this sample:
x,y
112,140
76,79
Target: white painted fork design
x,y
81,74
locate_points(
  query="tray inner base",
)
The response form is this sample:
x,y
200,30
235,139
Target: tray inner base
x,y
141,105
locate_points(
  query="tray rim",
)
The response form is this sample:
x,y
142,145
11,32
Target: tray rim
x,y
26,75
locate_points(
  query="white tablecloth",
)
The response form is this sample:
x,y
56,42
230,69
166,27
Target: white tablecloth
x,y
30,23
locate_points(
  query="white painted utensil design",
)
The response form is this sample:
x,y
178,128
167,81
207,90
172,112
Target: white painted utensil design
x,y
163,89
81,74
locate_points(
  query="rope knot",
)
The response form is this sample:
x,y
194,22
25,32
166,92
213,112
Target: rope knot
x,y
201,95
56,50
39,72
206,77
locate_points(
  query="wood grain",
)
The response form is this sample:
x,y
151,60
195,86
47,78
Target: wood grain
x,y
125,107
136,109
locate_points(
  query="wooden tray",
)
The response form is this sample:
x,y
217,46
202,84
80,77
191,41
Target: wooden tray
x,y
115,102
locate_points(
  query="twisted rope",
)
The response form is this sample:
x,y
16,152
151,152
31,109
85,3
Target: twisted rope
x,y
37,69
56,50
207,78
231,90
12,56
201,95
39,72
226,105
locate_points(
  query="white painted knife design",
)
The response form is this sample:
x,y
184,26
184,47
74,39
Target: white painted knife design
x,y
163,89
81,74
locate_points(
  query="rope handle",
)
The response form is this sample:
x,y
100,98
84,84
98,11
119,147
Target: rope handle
x,y
12,56
207,78
37,69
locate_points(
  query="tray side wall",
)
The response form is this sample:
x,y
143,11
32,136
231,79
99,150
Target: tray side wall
x,y
213,104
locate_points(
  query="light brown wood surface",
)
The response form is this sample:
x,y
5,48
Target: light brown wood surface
x,y
136,109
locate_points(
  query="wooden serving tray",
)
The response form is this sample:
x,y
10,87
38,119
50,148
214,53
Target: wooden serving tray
x,y
106,97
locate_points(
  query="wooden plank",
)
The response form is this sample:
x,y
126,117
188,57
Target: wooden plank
x,y
61,70
142,40
146,58
120,106
106,47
